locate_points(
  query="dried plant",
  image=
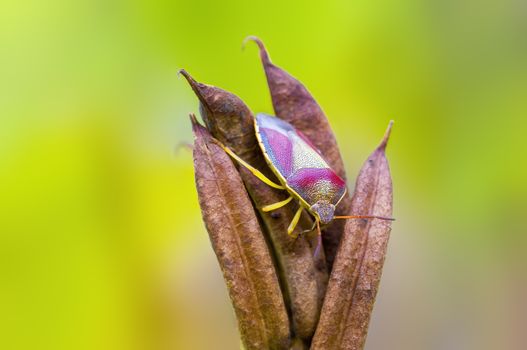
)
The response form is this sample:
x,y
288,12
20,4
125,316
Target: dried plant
x,y
276,283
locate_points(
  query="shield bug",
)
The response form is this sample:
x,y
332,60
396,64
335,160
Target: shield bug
x,y
301,170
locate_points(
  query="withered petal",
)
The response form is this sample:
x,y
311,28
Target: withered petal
x,y
303,277
295,104
240,247
356,274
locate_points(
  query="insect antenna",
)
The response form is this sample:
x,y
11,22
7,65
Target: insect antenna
x,y
363,217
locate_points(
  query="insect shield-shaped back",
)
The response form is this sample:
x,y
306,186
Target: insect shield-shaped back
x,y
300,167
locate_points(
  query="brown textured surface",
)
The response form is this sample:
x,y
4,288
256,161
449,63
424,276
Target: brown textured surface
x,y
240,247
293,102
303,277
356,274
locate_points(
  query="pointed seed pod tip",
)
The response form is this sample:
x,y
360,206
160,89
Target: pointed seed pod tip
x,y
264,55
386,137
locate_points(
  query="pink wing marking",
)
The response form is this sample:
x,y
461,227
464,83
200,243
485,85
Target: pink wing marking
x,y
312,185
279,150
306,177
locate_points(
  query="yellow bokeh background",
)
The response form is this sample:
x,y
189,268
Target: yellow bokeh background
x,y
101,240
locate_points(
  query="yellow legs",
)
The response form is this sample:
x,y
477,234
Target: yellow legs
x,y
254,171
266,180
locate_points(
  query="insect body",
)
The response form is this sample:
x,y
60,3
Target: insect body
x,y
299,167
301,170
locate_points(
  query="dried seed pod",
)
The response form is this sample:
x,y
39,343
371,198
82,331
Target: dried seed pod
x,y
356,274
225,115
240,247
293,103
303,276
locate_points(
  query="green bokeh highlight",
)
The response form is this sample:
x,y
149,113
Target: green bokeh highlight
x,y
101,241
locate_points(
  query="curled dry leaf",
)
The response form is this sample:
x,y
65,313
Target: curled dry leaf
x,y
303,276
293,103
356,274
240,247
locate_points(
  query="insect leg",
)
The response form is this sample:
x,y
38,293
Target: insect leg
x,y
319,238
254,171
294,222
311,229
277,205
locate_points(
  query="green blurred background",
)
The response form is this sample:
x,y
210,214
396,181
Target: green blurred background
x,y
101,241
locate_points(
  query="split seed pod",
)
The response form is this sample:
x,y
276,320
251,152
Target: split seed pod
x,y
240,247
356,274
253,288
303,276
293,103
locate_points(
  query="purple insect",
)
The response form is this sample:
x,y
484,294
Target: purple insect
x,y
301,170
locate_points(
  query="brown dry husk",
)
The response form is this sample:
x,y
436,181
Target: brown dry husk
x,y
277,285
